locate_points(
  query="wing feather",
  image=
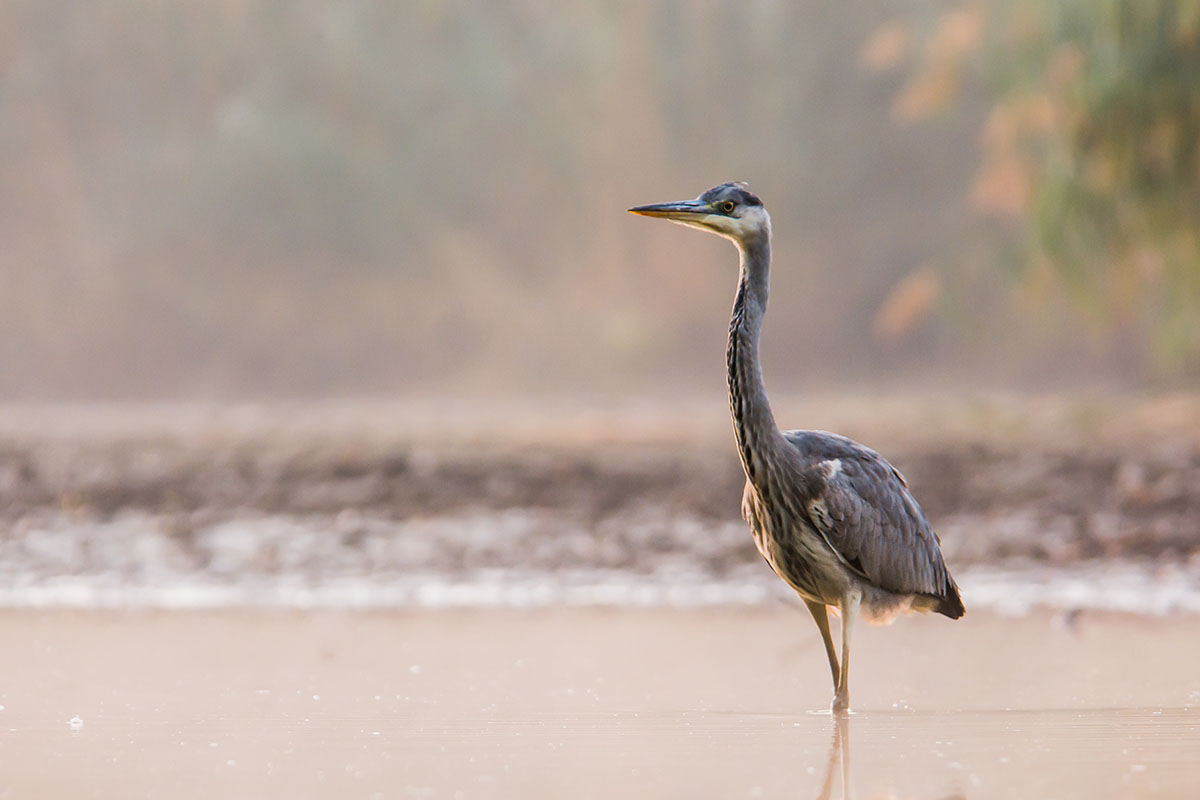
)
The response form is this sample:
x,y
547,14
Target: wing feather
x,y
869,517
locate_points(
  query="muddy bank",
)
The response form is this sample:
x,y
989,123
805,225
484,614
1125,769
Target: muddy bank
x,y
625,505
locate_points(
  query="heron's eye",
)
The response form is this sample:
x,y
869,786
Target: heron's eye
x,y
727,206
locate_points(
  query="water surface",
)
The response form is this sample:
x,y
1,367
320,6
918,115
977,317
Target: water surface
x,y
402,750
592,702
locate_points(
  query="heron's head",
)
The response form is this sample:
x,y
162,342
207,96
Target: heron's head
x,y
728,210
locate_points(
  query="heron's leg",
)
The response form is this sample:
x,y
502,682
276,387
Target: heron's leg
x,y
849,608
821,616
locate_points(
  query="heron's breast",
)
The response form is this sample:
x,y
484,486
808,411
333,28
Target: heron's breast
x,y
796,552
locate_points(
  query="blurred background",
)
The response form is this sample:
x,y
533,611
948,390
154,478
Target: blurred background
x,y
306,199
407,228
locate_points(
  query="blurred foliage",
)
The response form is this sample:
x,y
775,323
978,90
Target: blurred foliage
x,y
248,197
1094,144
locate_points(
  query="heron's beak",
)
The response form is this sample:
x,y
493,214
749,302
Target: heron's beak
x,y
685,211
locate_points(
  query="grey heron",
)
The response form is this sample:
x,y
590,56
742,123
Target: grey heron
x,y
832,517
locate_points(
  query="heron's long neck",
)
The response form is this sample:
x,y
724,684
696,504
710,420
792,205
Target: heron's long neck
x,y
753,423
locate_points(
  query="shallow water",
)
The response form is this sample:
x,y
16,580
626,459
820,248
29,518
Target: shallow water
x,y
511,559
703,702
401,750
1122,587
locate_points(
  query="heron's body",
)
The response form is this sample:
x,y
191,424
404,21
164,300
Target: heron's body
x,y
795,531
833,519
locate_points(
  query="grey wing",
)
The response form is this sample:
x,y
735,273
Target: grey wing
x,y
862,506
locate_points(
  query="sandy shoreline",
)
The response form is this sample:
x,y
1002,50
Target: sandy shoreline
x,y
593,702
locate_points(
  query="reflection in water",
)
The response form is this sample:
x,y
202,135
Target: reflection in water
x,y
324,744
585,705
838,764
839,753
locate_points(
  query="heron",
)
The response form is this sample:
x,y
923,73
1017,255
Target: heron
x,y
833,518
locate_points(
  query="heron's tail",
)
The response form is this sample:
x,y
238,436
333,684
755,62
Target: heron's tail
x,y
950,603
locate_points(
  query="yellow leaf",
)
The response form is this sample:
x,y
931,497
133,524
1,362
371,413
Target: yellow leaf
x,y
910,302
886,48
1064,65
959,32
1002,186
931,92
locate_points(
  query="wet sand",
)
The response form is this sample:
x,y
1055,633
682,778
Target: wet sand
x,y
716,702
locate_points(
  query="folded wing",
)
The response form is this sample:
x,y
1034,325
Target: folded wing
x,y
862,506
